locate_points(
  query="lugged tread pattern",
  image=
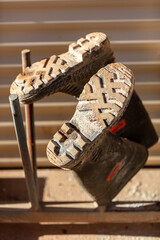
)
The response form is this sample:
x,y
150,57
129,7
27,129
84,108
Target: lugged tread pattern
x,y
66,145
102,102
84,46
41,73
44,76
106,93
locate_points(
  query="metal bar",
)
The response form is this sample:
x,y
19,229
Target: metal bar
x,y
82,216
29,116
22,144
30,133
26,58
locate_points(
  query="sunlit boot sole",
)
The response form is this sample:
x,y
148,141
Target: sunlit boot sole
x,y
67,72
102,102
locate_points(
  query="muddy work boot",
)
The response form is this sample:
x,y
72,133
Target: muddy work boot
x,y
109,166
67,72
103,161
136,124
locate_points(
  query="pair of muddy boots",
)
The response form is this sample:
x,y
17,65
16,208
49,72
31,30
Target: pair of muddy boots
x,y
106,141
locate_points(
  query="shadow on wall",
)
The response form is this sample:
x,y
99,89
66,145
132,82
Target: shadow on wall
x,y
14,189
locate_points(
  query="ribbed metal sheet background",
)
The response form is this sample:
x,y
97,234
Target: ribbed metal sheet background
x,y
47,27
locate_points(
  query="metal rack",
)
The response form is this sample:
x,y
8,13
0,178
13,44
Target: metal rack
x,y
147,212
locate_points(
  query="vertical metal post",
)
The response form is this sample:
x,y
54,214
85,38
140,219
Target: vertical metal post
x,y
29,116
22,144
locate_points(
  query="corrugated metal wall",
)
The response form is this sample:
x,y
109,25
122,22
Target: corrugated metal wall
x,y
47,27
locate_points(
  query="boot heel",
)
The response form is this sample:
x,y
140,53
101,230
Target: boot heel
x,y
67,145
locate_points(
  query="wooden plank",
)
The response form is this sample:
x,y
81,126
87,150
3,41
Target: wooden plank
x,y
68,215
16,162
122,43
133,29
79,23
81,2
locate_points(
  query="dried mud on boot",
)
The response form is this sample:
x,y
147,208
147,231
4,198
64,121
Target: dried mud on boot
x,y
102,161
101,104
67,72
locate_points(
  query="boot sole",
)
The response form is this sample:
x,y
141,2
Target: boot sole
x,y
101,104
67,72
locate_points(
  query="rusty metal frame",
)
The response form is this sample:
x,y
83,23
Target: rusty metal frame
x,y
147,212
